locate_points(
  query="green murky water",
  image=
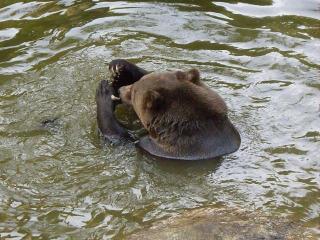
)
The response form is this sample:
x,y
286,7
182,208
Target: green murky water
x,y
62,182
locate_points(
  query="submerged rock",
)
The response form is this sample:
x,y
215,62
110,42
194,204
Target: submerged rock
x,y
224,224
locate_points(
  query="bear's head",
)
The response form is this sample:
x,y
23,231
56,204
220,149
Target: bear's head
x,y
175,96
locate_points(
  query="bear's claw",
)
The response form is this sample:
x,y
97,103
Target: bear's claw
x,y
114,98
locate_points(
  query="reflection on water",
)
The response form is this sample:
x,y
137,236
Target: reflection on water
x,y
308,8
59,180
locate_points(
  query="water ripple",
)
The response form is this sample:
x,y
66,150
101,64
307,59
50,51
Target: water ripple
x,y
58,180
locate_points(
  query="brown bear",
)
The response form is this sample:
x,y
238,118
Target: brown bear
x,y
185,119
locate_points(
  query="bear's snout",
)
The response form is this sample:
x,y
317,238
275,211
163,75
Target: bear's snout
x,y
125,94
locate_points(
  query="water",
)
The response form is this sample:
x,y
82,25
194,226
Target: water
x,y
61,181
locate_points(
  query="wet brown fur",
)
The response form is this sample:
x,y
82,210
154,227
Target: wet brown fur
x,y
176,108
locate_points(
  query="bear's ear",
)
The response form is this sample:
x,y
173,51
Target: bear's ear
x,y
153,100
193,75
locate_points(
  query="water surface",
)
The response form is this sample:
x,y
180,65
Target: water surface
x,y
61,181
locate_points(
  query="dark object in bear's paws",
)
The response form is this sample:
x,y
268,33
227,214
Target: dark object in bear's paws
x,y
124,73
107,123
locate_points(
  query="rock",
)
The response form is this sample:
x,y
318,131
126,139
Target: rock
x,y
224,224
